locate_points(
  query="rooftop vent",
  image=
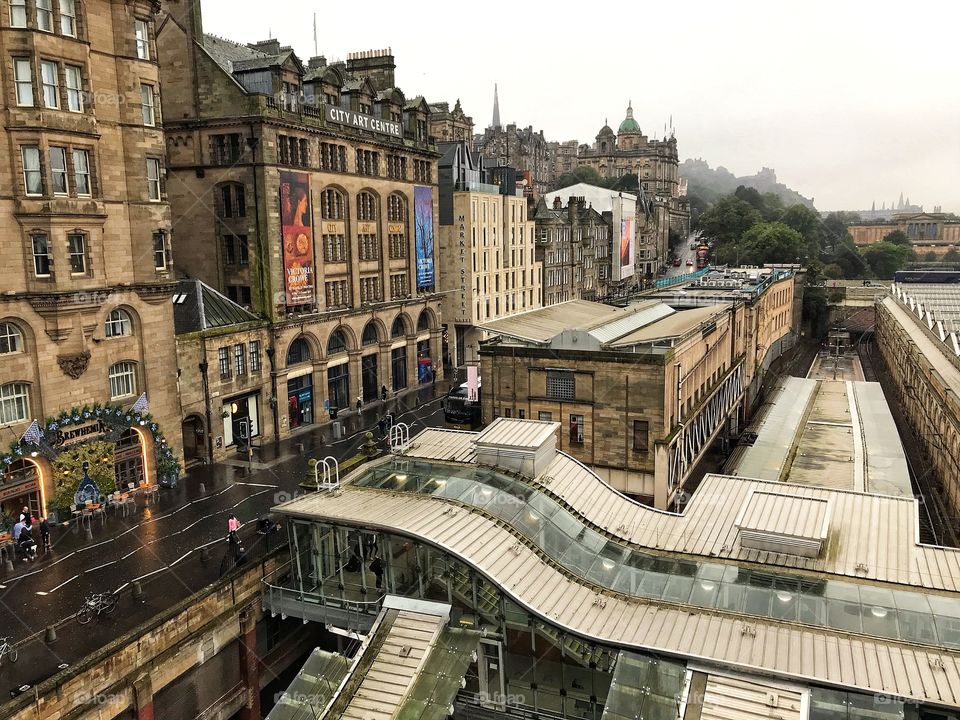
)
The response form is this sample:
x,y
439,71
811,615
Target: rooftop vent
x,y
523,446
783,523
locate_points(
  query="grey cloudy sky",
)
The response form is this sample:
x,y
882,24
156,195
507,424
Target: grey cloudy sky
x,y
850,102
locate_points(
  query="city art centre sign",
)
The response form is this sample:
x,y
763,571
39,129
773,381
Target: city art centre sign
x,y
362,122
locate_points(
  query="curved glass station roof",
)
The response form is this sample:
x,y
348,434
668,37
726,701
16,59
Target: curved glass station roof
x,y
851,607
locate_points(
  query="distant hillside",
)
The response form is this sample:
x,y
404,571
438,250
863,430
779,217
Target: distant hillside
x,y
710,184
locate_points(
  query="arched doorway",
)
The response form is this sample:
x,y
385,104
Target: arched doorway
x,y
370,381
194,447
128,459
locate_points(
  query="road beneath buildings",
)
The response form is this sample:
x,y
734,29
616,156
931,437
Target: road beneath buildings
x,y
160,546
684,253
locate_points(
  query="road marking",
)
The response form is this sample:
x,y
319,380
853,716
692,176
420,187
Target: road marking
x,y
41,592
100,566
180,558
149,574
65,582
257,484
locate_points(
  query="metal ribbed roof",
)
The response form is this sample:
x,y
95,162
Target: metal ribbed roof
x,y
526,434
873,536
782,514
732,698
748,644
650,312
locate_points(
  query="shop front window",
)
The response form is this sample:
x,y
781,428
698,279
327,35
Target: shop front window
x,y
300,401
338,386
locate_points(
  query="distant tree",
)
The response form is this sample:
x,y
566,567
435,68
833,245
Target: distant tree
x,y
897,237
728,219
951,256
583,174
816,312
628,182
806,222
885,258
834,229
930,256
833,271
772,243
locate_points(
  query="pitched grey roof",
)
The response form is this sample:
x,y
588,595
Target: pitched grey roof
x,y
197,306
226,52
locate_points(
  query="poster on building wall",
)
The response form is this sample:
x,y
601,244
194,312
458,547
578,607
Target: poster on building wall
x,y
423,218
296,226
626,248
473,383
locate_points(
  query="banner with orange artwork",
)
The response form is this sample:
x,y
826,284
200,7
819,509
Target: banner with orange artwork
x,y
297,228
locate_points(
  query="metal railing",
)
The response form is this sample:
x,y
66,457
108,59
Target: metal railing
x,y
279,593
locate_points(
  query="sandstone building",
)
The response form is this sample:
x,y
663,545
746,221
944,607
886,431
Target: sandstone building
x,y
86,330
446,125
927,232
307,193
655,163
574,248
640,391
488,266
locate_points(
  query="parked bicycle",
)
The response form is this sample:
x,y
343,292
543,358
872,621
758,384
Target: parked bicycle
x,y
96,604
7,649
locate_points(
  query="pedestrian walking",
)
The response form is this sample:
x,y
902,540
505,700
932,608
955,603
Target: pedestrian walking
x,y
383,393
233,525
359,402
376,567
44,534
26,544
382,425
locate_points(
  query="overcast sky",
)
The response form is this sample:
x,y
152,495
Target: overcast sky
x,y
850,102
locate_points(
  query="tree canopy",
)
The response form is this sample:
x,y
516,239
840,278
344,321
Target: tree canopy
x,y
885,258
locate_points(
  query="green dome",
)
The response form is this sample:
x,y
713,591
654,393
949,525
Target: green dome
x,y
629,125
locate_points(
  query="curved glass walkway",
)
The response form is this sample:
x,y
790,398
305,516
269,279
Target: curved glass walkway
x,y
859,608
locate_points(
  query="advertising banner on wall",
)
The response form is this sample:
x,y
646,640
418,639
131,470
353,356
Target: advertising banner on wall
x,y
297,228
626,247
423,219
473,383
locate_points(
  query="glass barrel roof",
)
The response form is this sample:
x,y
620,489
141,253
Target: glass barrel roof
x,y
851,607
644,687
439,681
312,688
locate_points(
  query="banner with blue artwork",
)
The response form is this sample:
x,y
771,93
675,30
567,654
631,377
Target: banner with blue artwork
x,y
423,221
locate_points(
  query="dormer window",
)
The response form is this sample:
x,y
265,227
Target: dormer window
x,y
364,108
291,96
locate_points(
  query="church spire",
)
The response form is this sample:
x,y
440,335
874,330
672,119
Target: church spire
x,y
496,107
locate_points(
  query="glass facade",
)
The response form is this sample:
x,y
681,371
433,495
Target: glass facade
x,y
582,551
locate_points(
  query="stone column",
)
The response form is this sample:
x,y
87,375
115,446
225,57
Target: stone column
x,y
356,378
385,368
436,351
143,698
412,381
249,665
661,459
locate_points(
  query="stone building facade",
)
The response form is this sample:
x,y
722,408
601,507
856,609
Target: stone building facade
x,y
522,148
309,191
574,247
85,313
656,165
563,156
640,391
927,232
446,125
488,267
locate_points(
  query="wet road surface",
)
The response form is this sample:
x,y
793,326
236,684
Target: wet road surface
x,y
159,546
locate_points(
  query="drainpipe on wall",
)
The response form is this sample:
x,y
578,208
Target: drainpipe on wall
x,y
275,404
204,367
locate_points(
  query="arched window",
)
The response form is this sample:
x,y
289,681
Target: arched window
x,y
337,343
299,352
370,334
11,339
332,204
123,380
366,207
398,329
423,322
14,403
118,324
396,208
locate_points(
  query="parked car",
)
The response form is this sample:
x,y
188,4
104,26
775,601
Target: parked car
x,y
676,262
689,263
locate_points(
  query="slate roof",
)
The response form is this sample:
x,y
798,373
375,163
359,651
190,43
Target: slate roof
x,y
227,52
197,306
